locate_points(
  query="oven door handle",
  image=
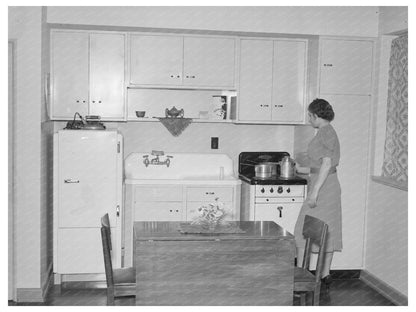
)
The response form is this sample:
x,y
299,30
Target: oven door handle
x,y
280,208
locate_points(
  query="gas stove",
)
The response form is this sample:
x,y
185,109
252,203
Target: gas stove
x,y
269,199
248,160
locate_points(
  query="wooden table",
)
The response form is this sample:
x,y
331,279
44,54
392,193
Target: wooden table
x,y
251,268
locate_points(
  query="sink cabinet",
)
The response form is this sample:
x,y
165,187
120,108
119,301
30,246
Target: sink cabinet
x,y
175,201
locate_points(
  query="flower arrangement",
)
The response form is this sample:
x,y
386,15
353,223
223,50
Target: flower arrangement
x,y
210,215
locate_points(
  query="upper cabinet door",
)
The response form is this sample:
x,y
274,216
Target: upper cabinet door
x,y
255,90
346,67
156,60
209,62
289,81
69,78
107,75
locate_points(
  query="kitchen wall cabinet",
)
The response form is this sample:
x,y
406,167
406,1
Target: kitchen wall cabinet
x,y
346,67
87,75
272,86
161,60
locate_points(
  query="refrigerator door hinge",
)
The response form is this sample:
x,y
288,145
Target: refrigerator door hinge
x,y
118,147
118,210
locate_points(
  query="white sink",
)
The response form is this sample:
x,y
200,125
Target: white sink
x,y
184,168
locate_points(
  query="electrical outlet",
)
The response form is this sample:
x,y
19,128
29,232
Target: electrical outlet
x,y
214,143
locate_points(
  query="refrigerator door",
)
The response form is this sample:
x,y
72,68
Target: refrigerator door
x,y
87,165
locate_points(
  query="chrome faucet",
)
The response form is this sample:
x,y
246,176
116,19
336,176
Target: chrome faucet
x,y
156,160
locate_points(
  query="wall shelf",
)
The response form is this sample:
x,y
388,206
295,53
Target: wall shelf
x,y
197,120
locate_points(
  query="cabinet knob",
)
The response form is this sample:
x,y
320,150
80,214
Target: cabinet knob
x,y
83,101
99,101
262,190
77,101
171,76
93,101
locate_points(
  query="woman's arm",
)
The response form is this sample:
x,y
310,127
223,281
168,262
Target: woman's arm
x,y
323,174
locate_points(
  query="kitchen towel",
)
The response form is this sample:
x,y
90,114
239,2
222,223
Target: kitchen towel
x,y
175,125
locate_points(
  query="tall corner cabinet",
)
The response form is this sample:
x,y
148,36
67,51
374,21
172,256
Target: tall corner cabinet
x,y
345,81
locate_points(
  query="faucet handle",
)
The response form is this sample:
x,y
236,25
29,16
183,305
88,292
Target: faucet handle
x,y
157,153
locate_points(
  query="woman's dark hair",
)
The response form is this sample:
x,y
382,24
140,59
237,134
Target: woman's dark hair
x,y
322,109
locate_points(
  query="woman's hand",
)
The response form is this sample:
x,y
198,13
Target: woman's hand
x,y
311,200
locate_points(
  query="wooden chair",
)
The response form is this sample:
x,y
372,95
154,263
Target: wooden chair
x,y
314,231
120,282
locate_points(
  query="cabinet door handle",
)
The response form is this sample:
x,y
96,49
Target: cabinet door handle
x,y
71,181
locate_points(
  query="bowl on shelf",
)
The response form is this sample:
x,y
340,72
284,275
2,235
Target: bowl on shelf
x,y
140,114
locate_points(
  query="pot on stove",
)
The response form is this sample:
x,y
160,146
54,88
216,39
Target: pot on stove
x,y
265,170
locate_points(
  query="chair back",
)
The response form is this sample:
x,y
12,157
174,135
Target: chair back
x,y
315,232
106,240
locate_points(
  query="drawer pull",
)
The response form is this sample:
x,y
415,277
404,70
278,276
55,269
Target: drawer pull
x,y
210,193
71,181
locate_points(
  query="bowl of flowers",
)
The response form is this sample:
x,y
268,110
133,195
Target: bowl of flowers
x,y
210,215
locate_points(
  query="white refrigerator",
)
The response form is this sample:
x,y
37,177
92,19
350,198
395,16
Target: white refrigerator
x,y
88,172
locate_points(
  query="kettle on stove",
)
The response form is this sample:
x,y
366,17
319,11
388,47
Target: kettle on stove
x,y
287,168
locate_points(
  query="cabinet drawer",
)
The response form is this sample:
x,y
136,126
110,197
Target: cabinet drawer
x,y
208,194
192,210
158,211
158,193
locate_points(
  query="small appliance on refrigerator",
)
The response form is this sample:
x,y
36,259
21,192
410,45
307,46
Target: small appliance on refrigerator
x,y
88,169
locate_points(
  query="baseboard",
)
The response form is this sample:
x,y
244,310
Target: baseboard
x,y
383,288
36,294
343,274
29,295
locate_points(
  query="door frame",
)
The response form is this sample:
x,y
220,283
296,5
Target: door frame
x,y
11,171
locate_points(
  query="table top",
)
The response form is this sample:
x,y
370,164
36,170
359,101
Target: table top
x,y
165,231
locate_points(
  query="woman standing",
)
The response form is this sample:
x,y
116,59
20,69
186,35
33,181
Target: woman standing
x,y
324,192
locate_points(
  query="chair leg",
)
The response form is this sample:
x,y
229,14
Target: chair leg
x,y
303,298
316,295
110,296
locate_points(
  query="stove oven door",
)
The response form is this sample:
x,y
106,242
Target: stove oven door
x,y
284,214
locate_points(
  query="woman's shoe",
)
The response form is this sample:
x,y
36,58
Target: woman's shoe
x,y
327,280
